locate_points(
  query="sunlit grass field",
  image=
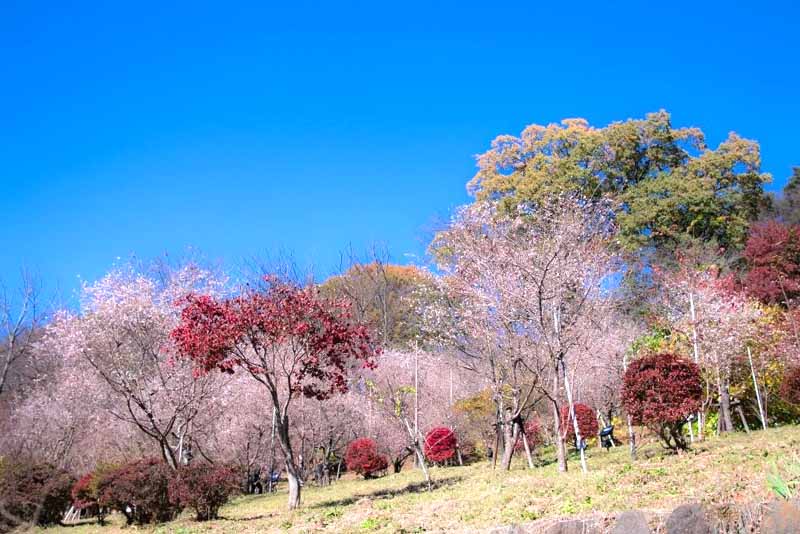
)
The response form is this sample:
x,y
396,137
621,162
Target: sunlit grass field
x,y
721,470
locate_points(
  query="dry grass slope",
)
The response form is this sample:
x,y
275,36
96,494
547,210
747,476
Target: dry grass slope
x,y
722,470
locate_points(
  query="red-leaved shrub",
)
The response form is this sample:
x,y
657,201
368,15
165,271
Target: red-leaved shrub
x,y
363,458
534,433
790,386
33,493
587,422
84,493
140,491
659,391
203,488
440,444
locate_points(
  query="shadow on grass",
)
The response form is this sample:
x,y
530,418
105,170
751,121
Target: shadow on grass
x,y
250,518
416,487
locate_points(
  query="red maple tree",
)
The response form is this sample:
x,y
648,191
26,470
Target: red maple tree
x,y
287,338
659,391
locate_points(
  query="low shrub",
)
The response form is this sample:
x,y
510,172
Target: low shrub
x,y
85,492
203,488
363,458
534,433
140,491
587,422
33,493
440,444
660,391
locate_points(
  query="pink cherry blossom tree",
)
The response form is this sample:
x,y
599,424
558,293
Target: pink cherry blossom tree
x,y
122,333
523,290
716,319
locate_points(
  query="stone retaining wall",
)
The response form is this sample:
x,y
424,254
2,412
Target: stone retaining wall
x,y
776,517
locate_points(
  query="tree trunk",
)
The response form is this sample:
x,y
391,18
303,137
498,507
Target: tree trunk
x,y
294,487
292,473
397,463
270,485
726,424
509,439
496,450
742,418
169,455
561,449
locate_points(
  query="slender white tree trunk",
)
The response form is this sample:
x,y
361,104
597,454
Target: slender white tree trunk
x,y
416,403
575,427
761,414
270,485
696,350
628,419
418,450
527,449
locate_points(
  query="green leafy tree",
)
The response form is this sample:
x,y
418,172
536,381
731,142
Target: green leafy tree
x,y
667,184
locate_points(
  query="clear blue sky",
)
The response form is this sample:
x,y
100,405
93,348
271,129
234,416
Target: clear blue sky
x,y
240,128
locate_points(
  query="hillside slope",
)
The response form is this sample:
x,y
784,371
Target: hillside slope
x,y
722,470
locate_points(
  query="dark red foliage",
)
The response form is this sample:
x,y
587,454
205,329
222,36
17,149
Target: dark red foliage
x,y
363,458
534,433
773,256
140,491
85,495
203,488
33,493
660,391
325,342
790,386
587,422
440,444
83,492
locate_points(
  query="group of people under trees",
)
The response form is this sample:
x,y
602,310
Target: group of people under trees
x,y
594,264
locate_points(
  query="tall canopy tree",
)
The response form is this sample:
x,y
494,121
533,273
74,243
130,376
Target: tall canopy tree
x,y
287,338
668,186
